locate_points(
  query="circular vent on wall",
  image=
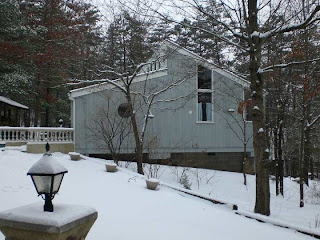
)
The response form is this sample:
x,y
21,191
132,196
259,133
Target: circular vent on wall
x,y
124,110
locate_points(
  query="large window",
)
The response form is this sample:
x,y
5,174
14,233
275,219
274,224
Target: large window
x,y
205,95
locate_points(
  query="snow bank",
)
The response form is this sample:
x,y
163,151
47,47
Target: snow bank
x,y
127,210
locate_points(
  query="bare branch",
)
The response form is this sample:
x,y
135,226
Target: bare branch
x,y
214,33
313,122
292,27
270,68
213,18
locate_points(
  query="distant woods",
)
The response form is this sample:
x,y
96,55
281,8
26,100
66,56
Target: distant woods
x,y
45,44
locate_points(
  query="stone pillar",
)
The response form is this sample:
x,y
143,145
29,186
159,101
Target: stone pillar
x,y
67,222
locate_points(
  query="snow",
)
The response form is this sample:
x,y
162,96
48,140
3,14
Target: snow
x,y
277,222
260,130
127,210
256,108
47,165
255,34
12,103
74,153
153,180
111,164
34,214
22,148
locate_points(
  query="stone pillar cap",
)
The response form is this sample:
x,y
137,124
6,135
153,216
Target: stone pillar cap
x,y
32,217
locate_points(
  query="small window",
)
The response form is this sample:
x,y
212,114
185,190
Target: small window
x,y
205,95
204,78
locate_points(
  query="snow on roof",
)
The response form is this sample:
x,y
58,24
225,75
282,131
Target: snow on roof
x,y
12,103
47,165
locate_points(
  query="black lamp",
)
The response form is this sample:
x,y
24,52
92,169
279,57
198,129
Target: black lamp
x,y
47,175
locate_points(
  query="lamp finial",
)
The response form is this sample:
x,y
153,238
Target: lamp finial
x,y
47,147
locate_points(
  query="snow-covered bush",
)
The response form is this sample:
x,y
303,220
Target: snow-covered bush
x,y
152,170
184,181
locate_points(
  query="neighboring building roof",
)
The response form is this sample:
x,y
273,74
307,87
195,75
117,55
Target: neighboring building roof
x,y
166,43
12,103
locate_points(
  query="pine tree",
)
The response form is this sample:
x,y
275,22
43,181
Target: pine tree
x,y
126,43
63,33
14,78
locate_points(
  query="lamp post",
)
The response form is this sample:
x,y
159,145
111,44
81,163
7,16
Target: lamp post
x,y
47,175
67,222
61,122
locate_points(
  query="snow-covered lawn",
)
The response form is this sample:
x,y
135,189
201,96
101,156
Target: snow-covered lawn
x,y
127,210
228,186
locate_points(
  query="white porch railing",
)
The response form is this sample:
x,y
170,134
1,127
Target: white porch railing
x,y
36,134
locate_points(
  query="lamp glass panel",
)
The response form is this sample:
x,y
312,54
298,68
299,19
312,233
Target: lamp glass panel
x,y
43,183
56,182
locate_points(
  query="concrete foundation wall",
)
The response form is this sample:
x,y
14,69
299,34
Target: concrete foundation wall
x,y
15,144
224,161
54,147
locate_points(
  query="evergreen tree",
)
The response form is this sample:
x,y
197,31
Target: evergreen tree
x,y
62,31
126,43
88,41
14,78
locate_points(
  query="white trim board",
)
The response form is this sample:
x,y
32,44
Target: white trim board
x,y
105,85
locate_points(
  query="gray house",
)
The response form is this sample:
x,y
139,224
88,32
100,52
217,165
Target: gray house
x,y
192,107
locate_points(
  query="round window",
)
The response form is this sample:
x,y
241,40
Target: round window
x,y
124,110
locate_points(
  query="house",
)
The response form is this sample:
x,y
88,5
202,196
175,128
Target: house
x,y
193,121
12,113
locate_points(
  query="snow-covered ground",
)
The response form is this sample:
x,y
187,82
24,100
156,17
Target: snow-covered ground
x,y
228,186
127,210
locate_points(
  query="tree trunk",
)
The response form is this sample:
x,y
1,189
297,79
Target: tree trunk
x,y
301,160
36,111
37,101
307,156
281,168
276,167
244,163
311,169
262,205
46,122
306,103
139,147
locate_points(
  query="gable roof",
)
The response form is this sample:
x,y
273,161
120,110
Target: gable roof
x,y
163,71
78,92
212,66
12,103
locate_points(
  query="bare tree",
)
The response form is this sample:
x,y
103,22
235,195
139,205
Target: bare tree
x,y
109,128
239,120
